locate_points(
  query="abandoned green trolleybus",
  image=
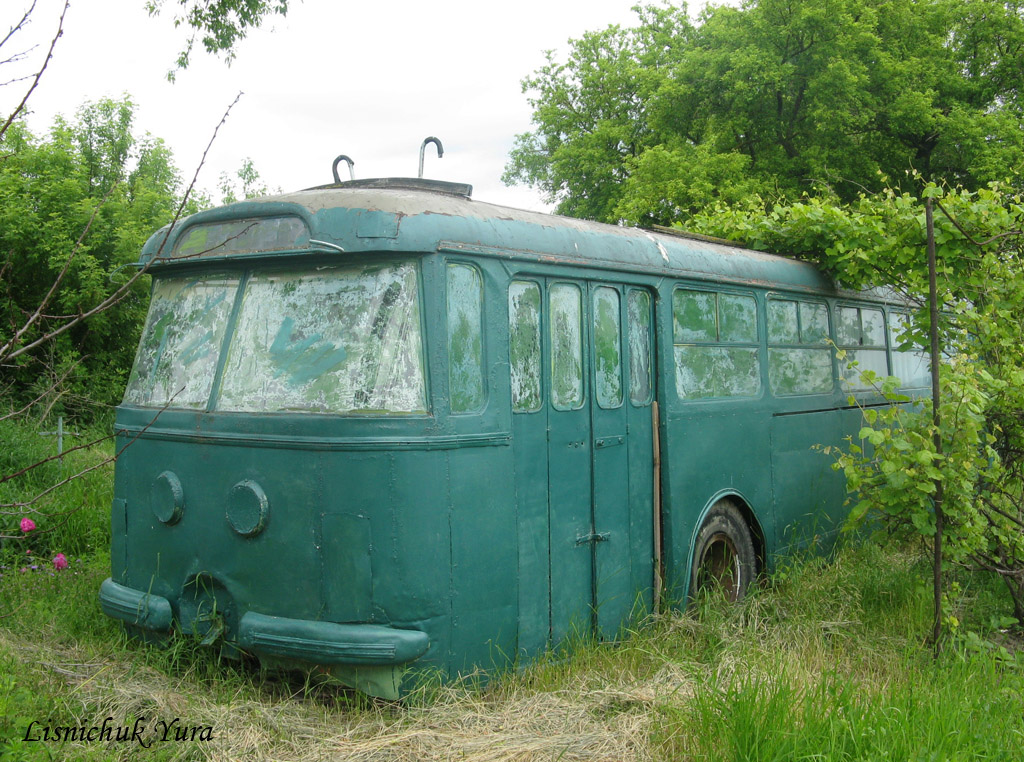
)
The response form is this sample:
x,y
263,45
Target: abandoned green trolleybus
x,y
384,429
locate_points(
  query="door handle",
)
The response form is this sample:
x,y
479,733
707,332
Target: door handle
x,y
583,539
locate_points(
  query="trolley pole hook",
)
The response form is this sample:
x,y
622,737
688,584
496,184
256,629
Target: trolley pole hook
x,y
351,172
423,148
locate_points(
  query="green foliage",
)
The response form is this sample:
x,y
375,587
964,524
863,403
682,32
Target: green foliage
x,y
67,498
85,197
219,24
653,123
252,185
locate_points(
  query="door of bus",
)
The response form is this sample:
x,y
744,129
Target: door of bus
x,y
597,432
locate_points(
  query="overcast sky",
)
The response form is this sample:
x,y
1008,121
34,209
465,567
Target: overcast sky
x,y
370,80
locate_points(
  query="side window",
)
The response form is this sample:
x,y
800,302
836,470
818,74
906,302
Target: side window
x,y
861,332
638,309
465,338
715,338
524,345
566,342
909,362
607,348
799,359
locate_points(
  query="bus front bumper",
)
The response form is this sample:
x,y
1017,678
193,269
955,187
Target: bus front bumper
x,y
323,643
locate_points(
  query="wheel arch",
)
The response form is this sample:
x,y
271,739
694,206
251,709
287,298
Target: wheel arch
x,y
756,530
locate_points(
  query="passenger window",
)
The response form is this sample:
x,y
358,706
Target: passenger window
x,y
737,319
861,332
814,324
793,366
696,316
638,308
566,338
607,348
524,345
910,364
710,330
465,338
783,324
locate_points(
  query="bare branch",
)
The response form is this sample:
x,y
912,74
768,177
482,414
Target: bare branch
x,y
84,471
19,26
39,74
195,175
52,458
54,385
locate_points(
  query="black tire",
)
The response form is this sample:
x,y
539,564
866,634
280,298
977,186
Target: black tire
x,y
724,560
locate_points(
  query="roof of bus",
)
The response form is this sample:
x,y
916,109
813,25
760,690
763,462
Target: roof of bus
x,y
413,216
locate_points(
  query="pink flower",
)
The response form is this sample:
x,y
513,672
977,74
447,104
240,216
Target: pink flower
x,y
60,561
27,525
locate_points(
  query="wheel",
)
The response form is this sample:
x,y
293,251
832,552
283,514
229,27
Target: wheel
x,y
724,561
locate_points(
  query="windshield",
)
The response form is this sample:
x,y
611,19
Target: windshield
x,y
177,356
332,340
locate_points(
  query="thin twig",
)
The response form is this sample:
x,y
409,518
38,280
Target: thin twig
x,y
44,461
39,74
18,27
195,175
16,413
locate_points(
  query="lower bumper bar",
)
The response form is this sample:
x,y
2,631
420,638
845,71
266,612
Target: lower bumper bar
x,y
330,643
151,612
326,643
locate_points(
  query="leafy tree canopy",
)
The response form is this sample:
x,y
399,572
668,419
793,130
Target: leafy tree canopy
x,y
91,191
651,123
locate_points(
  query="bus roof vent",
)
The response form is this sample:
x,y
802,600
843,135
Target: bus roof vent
x,y
409,183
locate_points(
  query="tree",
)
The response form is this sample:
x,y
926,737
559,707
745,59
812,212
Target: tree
x,y
91,174
75,210
776,98
252,185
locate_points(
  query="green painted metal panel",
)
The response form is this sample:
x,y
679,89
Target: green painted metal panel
x,y
808,497
484,586
347,581
118,539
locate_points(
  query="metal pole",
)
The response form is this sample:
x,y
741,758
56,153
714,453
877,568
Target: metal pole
x,y
933,333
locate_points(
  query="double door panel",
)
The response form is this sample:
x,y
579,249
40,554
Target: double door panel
x,y
591,416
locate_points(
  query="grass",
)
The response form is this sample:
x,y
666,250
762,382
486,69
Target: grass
x,y
826,661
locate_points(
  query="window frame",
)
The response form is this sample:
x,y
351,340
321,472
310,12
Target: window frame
x,y
756,344
821,345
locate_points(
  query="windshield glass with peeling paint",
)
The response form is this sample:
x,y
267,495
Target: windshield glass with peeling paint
x,y
337,340
341,339
177,356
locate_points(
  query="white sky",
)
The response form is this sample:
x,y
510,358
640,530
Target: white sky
x,y
370,80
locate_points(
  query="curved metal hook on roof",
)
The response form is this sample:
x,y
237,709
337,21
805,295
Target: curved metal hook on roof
x,y
351,172
423,148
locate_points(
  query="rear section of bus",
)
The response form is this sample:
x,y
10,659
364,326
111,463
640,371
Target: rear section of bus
x,y
261,451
